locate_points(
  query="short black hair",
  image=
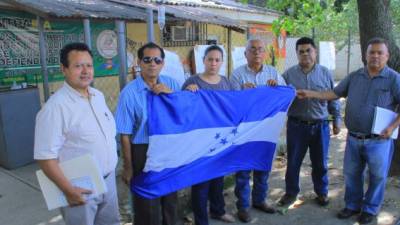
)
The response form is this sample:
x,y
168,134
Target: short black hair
x,y
140,52
378,40
305,41
213,48
75,46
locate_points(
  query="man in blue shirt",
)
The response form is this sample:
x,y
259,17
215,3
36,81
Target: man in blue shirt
x,y
375,85
131,120
308,125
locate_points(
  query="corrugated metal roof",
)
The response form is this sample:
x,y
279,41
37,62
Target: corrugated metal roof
x,y
188,13
100,9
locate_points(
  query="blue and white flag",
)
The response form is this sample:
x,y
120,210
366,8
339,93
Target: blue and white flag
x,y
195,137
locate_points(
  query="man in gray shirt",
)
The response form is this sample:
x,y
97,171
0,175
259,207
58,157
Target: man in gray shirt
x,y
254,74
375,85
308,125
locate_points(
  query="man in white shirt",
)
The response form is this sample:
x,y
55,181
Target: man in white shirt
x,y
76,121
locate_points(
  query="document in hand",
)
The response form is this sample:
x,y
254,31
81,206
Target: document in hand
x,y
382,119
82,172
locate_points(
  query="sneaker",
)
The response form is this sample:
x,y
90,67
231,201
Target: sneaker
x,y
264,207
347,213
287,200
244,216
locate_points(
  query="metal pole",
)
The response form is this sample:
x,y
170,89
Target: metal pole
x,y
150,25
86,29
123,70
229,51
43,57
348,50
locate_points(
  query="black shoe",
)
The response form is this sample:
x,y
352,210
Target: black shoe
x,y
265,208
322,200
347,213
365,218
244,216
287,199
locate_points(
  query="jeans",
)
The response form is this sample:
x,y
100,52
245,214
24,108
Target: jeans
x,y
210,190
377,155
242,188
301,137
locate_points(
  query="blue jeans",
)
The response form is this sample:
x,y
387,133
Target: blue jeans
x,y
242,188
377,155
210,190
300,137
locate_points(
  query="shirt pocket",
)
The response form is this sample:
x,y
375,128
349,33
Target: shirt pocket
x,y
384,98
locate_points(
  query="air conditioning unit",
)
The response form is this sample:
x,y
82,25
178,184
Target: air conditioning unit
x,y
179,33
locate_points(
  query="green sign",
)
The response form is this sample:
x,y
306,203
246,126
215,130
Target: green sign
x,y
19,47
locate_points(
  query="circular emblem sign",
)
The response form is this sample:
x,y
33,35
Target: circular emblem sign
x,y
107,44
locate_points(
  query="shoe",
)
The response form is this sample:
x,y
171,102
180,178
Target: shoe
x,y
264,207
365,218
244,216
227,218
287,199
322,200
347,213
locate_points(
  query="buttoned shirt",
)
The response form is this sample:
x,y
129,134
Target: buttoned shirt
x,y
244,74
71,125
131,113
365,93
318,79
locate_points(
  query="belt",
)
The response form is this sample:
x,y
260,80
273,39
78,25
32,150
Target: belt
x,y
306,122
364,136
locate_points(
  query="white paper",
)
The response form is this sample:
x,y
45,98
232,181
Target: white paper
x,y
199,54
382,119
82,172
173,67
238,57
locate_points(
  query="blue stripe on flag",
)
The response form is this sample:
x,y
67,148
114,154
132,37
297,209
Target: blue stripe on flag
x,y
185,111
248,156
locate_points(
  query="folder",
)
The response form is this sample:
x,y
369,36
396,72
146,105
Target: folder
x,y
382,119
82,172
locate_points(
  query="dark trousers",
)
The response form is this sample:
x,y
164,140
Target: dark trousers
x,y
210,190
301,137
151,211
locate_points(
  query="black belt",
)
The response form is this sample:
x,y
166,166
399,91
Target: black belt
x,y
306,122
365,136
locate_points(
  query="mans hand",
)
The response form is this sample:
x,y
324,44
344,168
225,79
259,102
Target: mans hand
x,y
160,88
302,93
272,82
386,133
126,176
75,196
192,87
336,129
248,85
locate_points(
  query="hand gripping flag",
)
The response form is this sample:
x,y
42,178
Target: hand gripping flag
x,y
195,137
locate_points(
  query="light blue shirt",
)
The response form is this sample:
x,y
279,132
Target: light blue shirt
x,y
244,74
131,113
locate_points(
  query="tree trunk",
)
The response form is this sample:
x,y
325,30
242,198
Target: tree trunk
x,y
375,21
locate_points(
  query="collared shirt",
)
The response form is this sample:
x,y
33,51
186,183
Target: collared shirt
x,y
70,125
318,79
244,74
131,113
365,93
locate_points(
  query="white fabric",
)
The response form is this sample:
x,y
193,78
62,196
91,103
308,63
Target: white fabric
x,y
66,127
192,145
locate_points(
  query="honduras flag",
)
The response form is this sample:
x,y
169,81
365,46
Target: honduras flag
x,y
195,137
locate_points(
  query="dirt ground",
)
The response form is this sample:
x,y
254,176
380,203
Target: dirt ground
x,y
305,211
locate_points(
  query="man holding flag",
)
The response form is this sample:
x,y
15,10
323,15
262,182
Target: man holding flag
x,y
131,119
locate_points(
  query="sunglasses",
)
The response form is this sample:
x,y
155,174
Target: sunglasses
x,y
148,60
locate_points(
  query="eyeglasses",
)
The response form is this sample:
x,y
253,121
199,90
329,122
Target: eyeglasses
x,y
148,60
255,50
